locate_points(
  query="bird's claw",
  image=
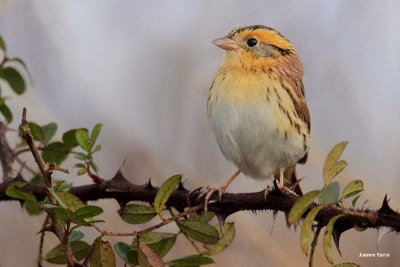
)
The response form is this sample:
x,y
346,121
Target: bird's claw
x,y
287,190
267,191
207,193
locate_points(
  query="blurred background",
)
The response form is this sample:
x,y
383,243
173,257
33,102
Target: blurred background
x,y
143,69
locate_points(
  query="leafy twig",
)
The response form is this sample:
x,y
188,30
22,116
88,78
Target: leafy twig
x,y
164,222
46,174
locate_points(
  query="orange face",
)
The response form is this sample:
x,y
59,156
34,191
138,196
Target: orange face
x,y
255,47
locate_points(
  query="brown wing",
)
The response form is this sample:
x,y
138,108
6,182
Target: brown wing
x,y
291,79
291,71
296,93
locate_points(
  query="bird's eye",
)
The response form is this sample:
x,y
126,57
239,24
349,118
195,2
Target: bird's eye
x,y
252,42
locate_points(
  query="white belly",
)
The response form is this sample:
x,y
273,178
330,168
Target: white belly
x,y
252,132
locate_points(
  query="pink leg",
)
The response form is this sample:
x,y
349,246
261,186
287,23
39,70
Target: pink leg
x,y
281,186
220,190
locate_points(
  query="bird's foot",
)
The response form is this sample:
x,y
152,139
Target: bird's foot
x,y
267,191
287,190
208,192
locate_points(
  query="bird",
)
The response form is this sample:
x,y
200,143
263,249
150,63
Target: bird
x,y
257,108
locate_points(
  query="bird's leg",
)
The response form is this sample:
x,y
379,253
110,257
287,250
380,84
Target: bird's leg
x,y
281,186
220,190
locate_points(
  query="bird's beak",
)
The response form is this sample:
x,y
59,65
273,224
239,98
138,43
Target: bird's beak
x,y
226,43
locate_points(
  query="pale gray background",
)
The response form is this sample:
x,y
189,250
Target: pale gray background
x,y
143,69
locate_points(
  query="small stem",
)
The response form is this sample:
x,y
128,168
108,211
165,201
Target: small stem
x,y
40,254
137,233
31,170
94,177
199,251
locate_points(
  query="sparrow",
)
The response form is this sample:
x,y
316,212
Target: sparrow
x,y
257,108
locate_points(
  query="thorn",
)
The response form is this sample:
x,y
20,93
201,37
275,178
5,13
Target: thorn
x,y
221,221
19,178
122,204
382,231
21,168
149,185
180,185
274,216
48,228
119,177
385,208
122,164
336,238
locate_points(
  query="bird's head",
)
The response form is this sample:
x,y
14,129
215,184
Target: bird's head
x,y
256,46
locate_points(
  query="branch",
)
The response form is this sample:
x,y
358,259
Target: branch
x,y
123,191
6,155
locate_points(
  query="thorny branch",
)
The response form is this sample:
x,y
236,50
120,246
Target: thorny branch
x,y
123,191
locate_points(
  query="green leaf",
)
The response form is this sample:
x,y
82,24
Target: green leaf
x,y
80,156
14,79
353,188
127,253
229,230
3,44
148,257
72,202
302,205
102,254
306,228
62,214
75,236
353,203
136,214
36,131
195,260
165,191
49,131
57,197
86,222
95,133
62,186
330,194
37,180
80,250
332,167
32,207
202,218
55,152
161,243
97,148
5,110
81,171
20,61
86,213
14,192
80,165
82,137
328,238
69,139
199,231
